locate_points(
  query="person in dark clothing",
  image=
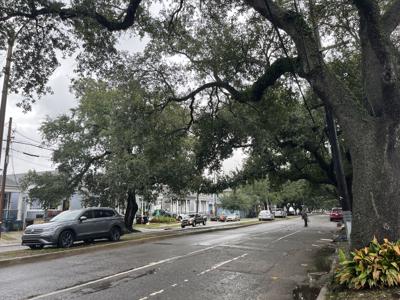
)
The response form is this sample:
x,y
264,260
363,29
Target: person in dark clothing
x,y
304,216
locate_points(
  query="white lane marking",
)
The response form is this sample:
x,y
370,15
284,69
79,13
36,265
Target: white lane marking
x,y
221,264
186,280
316,245
120,274
327,240
156,293
174,285
285,236
144,298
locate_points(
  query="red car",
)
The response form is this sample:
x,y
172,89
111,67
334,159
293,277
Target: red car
x,y
222,218
336,214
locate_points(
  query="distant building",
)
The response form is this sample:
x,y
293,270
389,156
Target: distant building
x,y
207,203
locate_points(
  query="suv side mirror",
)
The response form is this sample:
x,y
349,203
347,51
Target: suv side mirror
x,y
82,218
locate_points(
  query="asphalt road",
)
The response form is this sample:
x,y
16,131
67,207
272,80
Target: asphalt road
x,y
265,261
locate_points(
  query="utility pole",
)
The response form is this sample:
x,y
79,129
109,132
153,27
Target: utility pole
x,y
4,92
197,202
3,181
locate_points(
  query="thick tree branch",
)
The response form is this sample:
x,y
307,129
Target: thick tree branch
x,y
373,37
312,64
78,177
391,18
280,67
255,92
50,8
370,19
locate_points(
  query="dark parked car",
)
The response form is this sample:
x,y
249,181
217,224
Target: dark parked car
x,y
75,225
142,219
163,213
336,214
214,218
193,219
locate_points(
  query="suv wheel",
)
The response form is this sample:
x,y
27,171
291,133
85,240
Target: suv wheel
x,y
66,239
204,223
194,224
183,226
115,234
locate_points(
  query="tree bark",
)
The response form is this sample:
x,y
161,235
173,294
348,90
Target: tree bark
x,y
131,210
376,184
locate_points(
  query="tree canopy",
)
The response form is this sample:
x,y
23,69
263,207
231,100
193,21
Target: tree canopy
x,y
115,145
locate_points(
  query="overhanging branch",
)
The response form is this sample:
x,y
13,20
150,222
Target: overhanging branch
x,y
255,92
391,18
78,177
49,8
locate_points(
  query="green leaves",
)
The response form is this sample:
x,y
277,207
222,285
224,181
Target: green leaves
x,y
116,141
374,266
49,188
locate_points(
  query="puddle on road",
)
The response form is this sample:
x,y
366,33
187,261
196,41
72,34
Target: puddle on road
x,y
305,292
97,287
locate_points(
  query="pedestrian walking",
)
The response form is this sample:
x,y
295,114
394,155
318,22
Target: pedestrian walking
x,y
304,216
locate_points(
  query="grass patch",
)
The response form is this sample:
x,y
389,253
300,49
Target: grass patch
x,y
156,225
387,294
10,236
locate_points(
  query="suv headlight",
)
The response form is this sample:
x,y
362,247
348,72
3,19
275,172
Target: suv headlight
x,y
49,230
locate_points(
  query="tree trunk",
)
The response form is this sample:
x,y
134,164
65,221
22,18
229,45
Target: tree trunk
x,y
131,210
376,184
197,202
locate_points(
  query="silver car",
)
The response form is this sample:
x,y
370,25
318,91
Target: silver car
x,y
75,225
265,215
280,213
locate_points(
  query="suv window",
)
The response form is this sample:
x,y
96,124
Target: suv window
x,y
103,213
88,214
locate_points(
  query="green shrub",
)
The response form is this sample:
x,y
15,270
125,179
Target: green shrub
x,y
374,266
162,219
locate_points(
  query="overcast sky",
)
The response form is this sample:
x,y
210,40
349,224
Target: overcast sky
x,y
26,125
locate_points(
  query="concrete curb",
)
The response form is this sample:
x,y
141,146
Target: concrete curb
x,y
146,237
324,290
322,293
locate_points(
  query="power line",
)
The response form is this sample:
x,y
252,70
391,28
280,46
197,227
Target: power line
x,y
33,145
19,133
31,162
30,154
